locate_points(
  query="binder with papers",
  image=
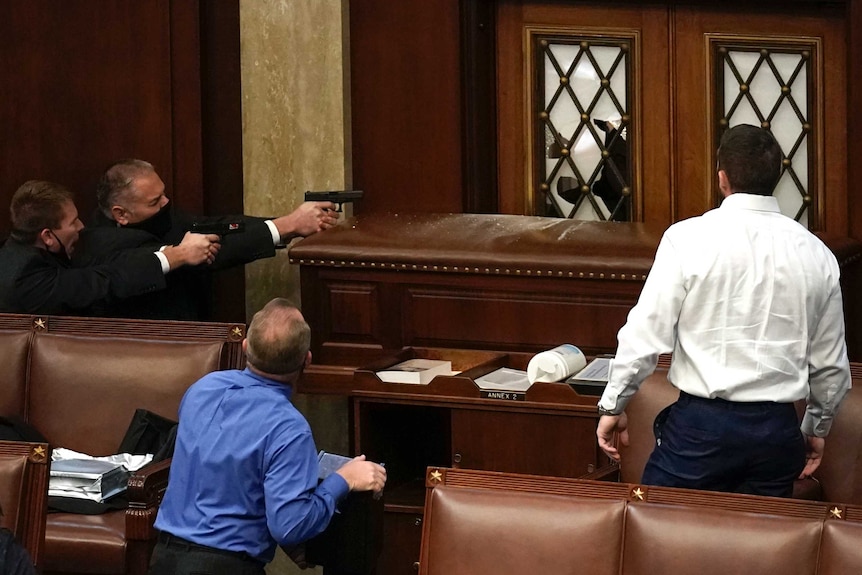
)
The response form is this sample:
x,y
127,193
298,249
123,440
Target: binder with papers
x,y
92,479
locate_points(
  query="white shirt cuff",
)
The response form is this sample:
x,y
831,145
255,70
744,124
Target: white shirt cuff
x,y
163,259
276,237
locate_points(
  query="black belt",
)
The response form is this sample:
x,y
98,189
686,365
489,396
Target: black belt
x,y
169,540
683,396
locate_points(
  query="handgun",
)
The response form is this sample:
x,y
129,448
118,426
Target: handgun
x,y
336,197
218,228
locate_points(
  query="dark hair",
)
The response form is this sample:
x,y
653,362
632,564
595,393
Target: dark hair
x,y
278,339
116,180
751,158
35,206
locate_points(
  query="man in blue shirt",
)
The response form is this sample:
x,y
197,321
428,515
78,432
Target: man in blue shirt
x,y
244,476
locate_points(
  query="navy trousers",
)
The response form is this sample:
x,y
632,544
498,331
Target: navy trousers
x,y
720,445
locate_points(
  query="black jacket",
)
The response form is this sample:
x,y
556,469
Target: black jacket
x,y
188,292
33,280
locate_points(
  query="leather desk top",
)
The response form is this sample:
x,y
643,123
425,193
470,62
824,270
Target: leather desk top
x,y
484,244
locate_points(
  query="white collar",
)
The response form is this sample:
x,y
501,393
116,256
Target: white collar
x,y
741,201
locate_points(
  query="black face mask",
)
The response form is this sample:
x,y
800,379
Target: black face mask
x,y
158,224
62,253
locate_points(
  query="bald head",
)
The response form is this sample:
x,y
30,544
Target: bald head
x,y
278,339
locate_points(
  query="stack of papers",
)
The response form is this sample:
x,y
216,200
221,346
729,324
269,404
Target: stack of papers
x,y
417,371
87,479
83,476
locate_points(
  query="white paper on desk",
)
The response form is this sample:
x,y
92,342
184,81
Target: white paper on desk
x,y
596,370
504,379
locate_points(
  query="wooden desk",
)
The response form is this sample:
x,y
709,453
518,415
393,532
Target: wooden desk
x,y
518,284
549,430
511,285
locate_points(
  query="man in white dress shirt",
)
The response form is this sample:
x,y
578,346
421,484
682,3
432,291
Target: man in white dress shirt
x,y
749,302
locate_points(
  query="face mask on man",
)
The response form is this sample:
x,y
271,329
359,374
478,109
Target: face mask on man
x,y
159,224
63,251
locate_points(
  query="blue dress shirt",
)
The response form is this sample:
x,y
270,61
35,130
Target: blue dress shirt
x,y
244,475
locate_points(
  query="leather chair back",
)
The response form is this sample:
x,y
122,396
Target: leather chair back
x,y
508,524
511,533
24,493
840,473
69,374
839,476
14,346
655,394
840,546
690,539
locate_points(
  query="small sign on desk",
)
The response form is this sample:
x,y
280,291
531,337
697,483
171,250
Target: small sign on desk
x,y
504,383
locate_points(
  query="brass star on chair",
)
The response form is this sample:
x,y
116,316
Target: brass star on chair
x,y
836,513
638,494
435,476
38,454
236,332
40,323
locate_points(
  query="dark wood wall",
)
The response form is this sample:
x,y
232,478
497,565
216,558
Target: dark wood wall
x,y
406,89
854,126
406,105
86,83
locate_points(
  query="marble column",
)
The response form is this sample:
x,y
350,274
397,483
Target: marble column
x,y
295,113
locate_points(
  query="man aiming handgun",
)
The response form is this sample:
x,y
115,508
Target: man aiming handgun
x,y
133,210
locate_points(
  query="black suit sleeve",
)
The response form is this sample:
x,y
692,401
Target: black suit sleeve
x,y
253,243
99,245
45,288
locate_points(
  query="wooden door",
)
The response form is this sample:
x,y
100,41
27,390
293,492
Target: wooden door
x,y
813,37
677,91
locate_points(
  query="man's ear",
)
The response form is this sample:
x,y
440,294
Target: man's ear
x,y
120,215
46,237
245,346
724,184
307,359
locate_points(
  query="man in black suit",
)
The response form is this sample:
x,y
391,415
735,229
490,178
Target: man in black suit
x,y
134,211
35,272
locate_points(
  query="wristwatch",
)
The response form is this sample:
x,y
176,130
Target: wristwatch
x,y
603,411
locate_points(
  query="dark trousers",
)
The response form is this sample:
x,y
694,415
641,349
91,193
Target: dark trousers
x,y
176,556
720,445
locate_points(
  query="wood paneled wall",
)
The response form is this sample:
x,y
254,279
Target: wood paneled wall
x,y
391,47
86,83
406,105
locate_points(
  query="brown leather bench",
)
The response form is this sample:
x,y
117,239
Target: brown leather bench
x,y
510,524
79,381
838,479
